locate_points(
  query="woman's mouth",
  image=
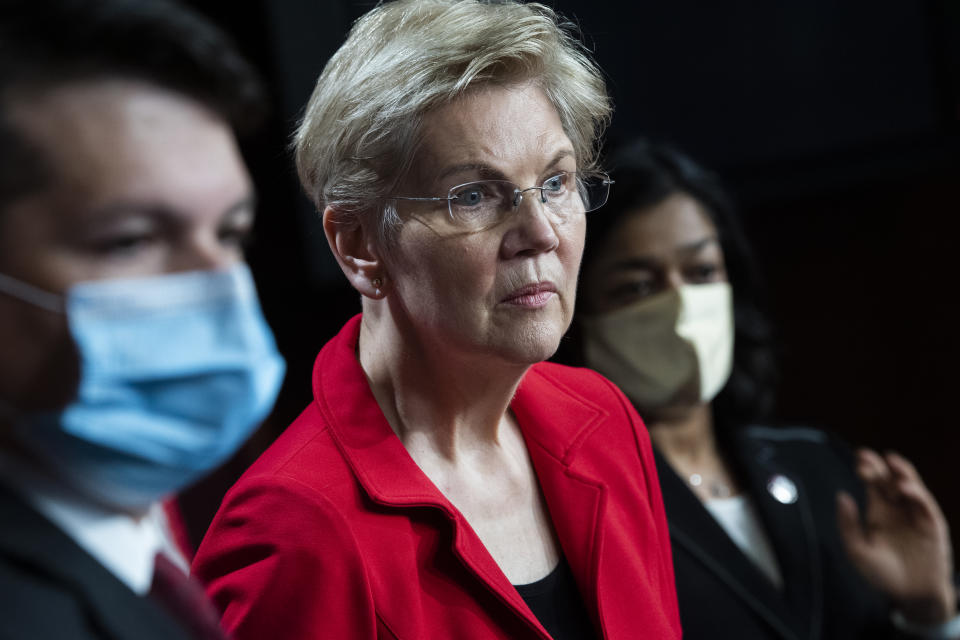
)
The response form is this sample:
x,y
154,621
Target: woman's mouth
x,y
532,296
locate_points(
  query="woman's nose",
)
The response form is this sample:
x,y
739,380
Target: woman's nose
x,y
673,279
533,230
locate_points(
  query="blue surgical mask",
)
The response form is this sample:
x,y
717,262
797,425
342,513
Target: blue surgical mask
x,y
176,372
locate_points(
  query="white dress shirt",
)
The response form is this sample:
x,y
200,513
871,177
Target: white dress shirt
x,y
124,544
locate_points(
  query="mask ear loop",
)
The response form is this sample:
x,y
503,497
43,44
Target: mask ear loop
x,y
31,294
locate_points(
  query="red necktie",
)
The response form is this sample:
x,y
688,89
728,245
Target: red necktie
x,y
185,600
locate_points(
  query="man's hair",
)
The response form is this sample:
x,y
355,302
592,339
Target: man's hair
x,y
50,43
402,59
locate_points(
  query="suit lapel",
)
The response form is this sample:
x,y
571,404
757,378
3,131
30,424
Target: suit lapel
x,y
698,533
32,540
552,423
788,519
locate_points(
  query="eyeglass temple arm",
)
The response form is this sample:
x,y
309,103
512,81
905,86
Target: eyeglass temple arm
x,y
421,199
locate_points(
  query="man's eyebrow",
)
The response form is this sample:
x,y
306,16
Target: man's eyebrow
x,y
160,210
247,203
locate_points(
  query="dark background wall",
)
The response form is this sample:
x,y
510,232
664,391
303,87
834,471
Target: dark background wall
x,y
836,125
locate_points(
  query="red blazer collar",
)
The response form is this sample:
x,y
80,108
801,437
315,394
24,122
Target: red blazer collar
x,y
553,419
374,452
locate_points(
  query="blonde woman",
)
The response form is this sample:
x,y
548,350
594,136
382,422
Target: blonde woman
x,y
444,482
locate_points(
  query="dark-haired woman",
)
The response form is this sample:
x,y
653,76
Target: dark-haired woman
x,y
765,523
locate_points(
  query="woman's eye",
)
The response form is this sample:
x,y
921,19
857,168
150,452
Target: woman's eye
x,y
628,292
703,273
556,184
469,197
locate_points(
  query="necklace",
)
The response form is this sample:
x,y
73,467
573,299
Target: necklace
x,y
715,488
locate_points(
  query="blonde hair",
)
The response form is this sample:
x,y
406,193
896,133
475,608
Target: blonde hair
x,y
362,125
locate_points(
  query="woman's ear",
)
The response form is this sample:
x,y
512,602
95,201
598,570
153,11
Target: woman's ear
x,y
356,252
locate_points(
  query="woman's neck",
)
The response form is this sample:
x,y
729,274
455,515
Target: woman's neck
x,y
688,441
431,398
685,436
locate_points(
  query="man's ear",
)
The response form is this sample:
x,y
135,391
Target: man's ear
x,y
356,253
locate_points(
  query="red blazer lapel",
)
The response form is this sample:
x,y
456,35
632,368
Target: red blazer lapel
x,y
595,465
553,423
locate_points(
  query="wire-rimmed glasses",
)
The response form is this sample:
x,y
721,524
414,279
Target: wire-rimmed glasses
x,y
482,204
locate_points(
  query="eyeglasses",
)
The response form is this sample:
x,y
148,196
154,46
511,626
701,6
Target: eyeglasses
x,y
483,204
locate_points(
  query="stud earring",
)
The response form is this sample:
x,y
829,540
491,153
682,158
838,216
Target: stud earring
x,y
377,283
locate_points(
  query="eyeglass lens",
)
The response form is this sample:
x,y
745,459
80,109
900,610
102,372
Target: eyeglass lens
x,y
486,202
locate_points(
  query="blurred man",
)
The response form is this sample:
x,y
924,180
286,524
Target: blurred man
x,y
133,354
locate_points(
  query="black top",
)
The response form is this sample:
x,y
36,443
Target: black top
x,y
556,602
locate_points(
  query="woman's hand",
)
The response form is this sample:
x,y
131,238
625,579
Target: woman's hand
x,y
902,543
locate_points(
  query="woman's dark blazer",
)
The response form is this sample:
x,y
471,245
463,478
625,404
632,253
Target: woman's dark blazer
x,y
723,595
52,589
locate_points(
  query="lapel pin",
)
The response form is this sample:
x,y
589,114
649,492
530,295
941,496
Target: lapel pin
x,y
782,489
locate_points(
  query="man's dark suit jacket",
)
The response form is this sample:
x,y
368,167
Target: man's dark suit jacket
x,y
723,595
50,588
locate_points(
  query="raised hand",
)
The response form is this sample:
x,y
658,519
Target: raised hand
x,y
902,542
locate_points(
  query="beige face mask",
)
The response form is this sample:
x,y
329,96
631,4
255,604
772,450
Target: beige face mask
x,y
672,349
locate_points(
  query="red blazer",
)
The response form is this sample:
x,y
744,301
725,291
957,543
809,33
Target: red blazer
x,y
335,532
